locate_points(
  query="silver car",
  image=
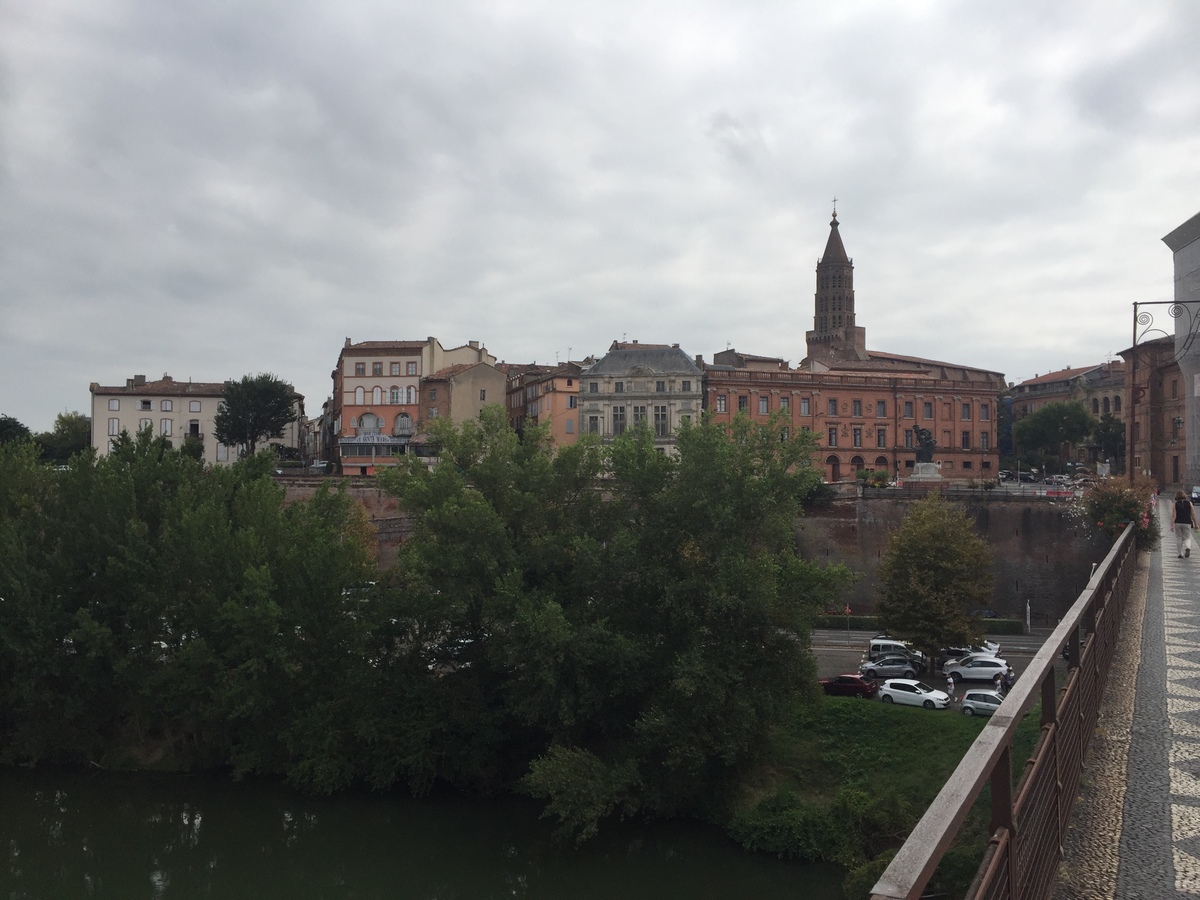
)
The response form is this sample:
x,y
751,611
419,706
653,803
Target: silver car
x,y
889,667
977,702
977,668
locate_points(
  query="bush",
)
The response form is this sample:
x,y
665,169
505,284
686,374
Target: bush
x,y
1114,504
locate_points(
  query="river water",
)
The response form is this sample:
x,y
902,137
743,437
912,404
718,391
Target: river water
x,y
128,837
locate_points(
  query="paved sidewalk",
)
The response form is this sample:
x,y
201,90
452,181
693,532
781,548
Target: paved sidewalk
x,y
1135,834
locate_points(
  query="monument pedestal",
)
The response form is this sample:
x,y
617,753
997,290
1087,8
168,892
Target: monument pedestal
x,y
925,471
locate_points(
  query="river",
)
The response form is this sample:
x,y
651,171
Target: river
x,y
68,835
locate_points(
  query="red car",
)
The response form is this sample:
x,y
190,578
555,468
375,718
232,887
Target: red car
x,y
849,686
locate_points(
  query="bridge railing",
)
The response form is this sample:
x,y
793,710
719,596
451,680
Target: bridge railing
x,y
1028,825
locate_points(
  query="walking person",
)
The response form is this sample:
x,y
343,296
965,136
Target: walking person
x,y
1183,520
950,687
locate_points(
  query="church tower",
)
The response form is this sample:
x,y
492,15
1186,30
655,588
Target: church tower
x,y
834,335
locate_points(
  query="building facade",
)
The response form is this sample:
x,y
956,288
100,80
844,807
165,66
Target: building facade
x,y
868,409
1100,388
176,410
1157,404
1184,242
545,395
633,384
377,409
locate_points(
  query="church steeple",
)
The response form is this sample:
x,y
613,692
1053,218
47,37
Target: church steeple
x,y
835,334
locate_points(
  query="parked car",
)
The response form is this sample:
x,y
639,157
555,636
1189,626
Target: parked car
x,y
849,686
977,702
913,693
895,666
886,645
987,648
977,668
1195,493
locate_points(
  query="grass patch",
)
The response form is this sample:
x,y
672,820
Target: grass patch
x,y
848,779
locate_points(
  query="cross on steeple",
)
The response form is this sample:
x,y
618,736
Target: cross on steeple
x,y
835,207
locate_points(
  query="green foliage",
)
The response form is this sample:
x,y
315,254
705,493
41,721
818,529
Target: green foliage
x,y
1048,428
11,430
934,570
72,434
1113,504
1109,434
610,616
256,407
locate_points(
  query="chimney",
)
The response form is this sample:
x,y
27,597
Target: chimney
x,y
347,344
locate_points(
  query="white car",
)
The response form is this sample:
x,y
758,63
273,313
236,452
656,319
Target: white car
x,y
913,693
976,668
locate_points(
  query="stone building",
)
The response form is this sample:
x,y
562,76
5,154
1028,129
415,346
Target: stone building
x,y
1184,242
1156,412
868,409
632,384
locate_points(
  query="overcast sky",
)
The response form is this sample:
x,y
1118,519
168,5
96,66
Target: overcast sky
x,y
213,189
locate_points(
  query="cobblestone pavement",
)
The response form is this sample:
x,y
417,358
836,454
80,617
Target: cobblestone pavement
x,y
1135,834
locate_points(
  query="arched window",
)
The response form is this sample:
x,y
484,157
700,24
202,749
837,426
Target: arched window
x,y
369,424
1107,410
412,395
377,395
394,395
1117,403
403,426
360,396
1095,407
881,463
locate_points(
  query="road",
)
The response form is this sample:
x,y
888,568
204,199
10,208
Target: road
x,y
840,652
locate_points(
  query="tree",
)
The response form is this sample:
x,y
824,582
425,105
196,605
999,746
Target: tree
x,y
935,568
12,430
72,433
621,626
1110,438
1053,425
257,407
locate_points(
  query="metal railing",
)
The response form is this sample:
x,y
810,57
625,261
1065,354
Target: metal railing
x,y
1028,826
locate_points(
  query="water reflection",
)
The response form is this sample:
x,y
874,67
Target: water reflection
x,y
71,835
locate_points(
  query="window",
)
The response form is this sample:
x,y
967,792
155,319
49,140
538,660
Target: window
x,y
433,393
832,407
685,419
720,403
660,421
618,419
433,412
639,415
1107,408
411,368
966,412
593,424
145,404
194,428
764,405
194,406
1175,389
572,402
857,437
856,409
966,440
985,440
482,395
145,423
927,410
785,403
880,438
410,395
804,406
832,437
967,464
394,395
908,438
394,368
222,453
619,387
881,409
114,427
1095,407
908,409
354,421
743,402
377,395
593,387
686,387
360,368
985,413
1117,403
360,396
377,368
570,382
570,426
164,427
660,386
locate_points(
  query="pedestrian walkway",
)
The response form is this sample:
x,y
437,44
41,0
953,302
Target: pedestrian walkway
x,y
1135,834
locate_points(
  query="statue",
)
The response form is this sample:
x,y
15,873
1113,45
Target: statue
x,y
925,445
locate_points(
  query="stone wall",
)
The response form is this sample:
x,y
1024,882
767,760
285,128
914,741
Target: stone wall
x,y
1042,553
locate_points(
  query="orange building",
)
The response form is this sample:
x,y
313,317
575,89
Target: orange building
x,y
378,410
545,395
868,409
